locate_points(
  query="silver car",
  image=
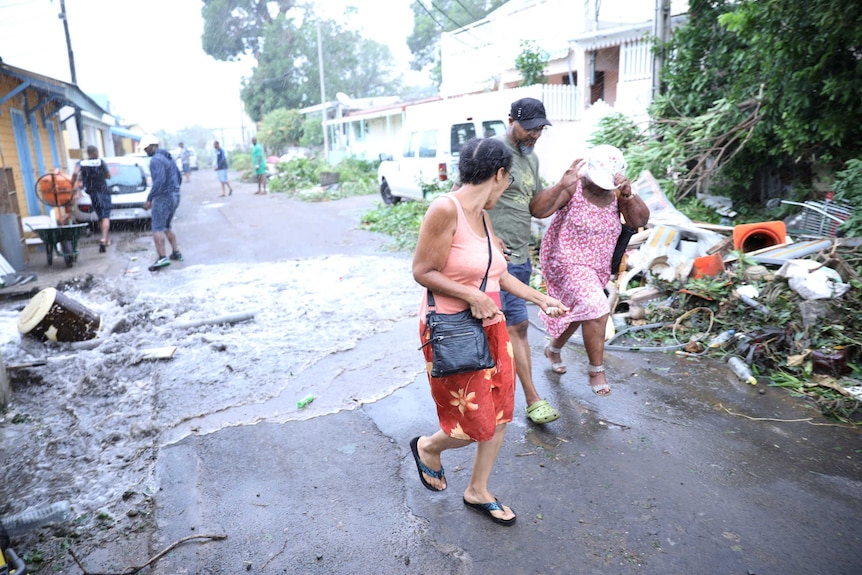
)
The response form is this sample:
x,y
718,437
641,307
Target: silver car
x,y
129,187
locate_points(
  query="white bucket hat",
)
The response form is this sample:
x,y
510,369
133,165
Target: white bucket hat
x,y
603,163
147,141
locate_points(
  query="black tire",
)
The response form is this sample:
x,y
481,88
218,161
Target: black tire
x,y
386,194
49,250
68,253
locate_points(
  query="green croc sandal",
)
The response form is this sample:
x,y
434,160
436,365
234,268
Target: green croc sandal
x,y
542,412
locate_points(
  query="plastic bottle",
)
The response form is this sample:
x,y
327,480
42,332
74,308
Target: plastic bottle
x,y
741,370
37,517
304,401
721,339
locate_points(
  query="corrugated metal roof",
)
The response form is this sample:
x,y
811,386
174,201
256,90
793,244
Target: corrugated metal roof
x,y
68,94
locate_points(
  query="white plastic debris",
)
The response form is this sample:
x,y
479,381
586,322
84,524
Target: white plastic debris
x,y
811,280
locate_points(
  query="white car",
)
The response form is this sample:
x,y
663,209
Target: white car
x,y
430,154
129,186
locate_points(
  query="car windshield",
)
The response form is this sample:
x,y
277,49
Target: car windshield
x,y
122,175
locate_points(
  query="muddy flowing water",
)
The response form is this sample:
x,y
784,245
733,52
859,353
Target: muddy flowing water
x,y
86,427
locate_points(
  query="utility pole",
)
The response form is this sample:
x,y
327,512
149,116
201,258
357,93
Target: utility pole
x,y
661,28
322,94
79,127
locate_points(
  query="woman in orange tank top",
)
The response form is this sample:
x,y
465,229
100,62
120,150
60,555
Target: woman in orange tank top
x,y
450,260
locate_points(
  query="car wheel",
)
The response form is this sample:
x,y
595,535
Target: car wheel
x,y
386,194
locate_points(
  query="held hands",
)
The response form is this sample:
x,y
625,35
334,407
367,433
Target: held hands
x,y
485,307
553,307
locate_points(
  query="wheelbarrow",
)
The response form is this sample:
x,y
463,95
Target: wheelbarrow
x,y
61,239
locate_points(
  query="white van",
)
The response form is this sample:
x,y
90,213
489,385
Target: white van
x,y
430,154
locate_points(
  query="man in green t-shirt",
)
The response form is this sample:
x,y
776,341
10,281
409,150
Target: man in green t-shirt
x,y
512,220
259,164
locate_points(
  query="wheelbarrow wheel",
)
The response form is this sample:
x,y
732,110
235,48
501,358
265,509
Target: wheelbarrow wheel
x,y
49,251
68,253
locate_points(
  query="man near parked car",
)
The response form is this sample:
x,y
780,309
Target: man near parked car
x,y
94,175
259,163
512,220
221,169
163,200
186,161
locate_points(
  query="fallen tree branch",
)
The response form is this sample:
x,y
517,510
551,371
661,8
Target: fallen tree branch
x,y
807,420
153,559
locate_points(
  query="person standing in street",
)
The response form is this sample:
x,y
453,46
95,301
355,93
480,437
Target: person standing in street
x,y
94,175
185,160
259,163
221,169
162,200
453,253
512,219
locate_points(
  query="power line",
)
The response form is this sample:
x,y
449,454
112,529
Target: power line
x,y
430,15
470,14
442,27
447,15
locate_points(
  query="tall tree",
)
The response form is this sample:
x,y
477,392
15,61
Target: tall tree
x,y
236,27
287,75
433,17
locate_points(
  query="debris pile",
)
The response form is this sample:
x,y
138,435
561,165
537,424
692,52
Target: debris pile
x,y
787,303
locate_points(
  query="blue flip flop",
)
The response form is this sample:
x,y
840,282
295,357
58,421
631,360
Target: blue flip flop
x,y
414,447
487,508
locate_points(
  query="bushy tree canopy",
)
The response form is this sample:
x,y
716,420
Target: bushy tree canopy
x,y
235,27
282,36
762,89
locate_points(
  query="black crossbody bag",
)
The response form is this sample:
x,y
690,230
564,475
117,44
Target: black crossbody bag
x,y
458,340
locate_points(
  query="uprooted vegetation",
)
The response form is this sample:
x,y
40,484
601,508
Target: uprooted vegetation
x,y
812,347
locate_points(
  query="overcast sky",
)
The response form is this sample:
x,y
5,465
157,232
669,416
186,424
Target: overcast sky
x,y
146,55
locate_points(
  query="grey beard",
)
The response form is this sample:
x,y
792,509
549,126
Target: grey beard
x,y
525,150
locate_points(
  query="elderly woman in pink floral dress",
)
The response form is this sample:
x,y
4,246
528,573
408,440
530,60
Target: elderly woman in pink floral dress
x,y
576,256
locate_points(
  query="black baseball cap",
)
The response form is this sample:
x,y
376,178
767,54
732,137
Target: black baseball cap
x,y
530,113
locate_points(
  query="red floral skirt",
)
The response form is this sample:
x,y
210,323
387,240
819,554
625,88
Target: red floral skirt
x,y
471,405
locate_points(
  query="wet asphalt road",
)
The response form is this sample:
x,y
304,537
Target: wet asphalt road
x,y
681,470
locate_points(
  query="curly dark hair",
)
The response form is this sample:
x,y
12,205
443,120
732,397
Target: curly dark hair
x,y
481,158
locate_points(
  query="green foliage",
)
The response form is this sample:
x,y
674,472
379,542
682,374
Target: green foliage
x,y
641,152
358,170
434,188
531,63
697,211
296,174
401,221
759,91
279,129
300,179
618,130
239,161
312,132
288,76
235,27
848,188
